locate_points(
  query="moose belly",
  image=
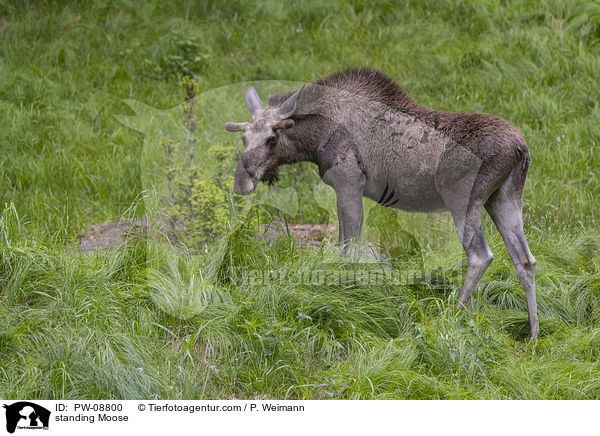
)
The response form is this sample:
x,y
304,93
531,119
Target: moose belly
x,y
412,194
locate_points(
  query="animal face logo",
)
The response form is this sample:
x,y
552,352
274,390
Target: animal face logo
x,y
24,414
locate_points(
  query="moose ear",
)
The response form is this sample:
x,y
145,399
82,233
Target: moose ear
x,y
288,107
252,100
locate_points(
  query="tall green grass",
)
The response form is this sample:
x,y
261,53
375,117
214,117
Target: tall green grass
x,y
149,320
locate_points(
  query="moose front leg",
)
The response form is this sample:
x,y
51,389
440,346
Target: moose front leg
x,y
348,181
350,214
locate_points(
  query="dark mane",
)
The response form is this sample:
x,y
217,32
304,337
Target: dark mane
x,y
365,82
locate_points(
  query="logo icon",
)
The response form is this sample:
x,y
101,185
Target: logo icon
x,y
26,415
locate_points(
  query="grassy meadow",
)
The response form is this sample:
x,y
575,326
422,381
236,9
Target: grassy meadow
x,y
154,319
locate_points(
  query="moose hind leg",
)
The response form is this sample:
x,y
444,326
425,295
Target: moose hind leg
x,y
505,208
479,255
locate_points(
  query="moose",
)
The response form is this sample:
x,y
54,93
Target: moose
x,y
368,138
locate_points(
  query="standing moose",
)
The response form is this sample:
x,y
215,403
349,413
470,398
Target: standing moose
x,y
368,138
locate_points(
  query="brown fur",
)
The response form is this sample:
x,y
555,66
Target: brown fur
x,y
469,130
461,127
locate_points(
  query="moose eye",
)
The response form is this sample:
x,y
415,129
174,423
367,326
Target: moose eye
x,y
271,141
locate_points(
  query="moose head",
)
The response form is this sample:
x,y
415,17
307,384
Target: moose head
x,y
262,139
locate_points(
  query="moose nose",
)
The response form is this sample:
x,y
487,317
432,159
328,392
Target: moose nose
x,y
246,161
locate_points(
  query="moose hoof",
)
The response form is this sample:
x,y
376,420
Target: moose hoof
x,y
534,335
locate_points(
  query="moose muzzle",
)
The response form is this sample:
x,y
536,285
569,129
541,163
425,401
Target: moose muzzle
x,y
243,183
